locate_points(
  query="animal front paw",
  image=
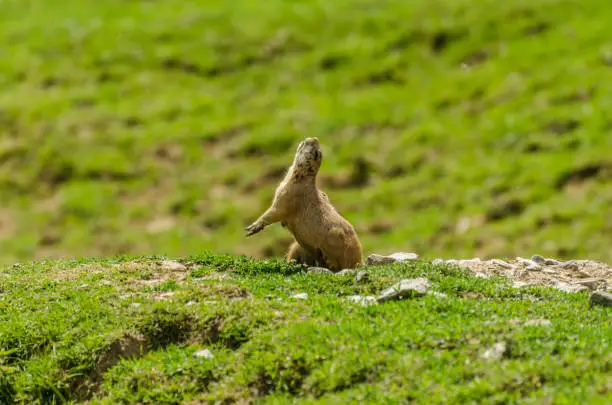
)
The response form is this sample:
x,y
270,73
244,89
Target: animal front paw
x,y
254,228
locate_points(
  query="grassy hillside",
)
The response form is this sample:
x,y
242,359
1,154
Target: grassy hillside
x,y
222,329
450,127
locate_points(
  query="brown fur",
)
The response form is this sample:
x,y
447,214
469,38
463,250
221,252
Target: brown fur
x,y
322,236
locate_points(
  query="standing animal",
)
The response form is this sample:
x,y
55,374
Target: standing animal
x,y
322,236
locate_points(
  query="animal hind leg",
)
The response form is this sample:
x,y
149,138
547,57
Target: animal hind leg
x,y
299,254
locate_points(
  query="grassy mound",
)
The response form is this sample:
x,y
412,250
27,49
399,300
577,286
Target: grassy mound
x,y
228,329
152,126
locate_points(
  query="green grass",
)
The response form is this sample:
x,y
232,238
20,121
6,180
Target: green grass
x,y
162,128
64,322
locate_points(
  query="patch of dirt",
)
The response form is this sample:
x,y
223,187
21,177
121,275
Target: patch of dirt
x,y
571,276
159,271
128,346
224,290
581,174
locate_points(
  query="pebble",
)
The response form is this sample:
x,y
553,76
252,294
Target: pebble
x,y
401,257
411,287
207,354
363,301
319,270
545,261
362,276
438,262
495,352
301,296
603,298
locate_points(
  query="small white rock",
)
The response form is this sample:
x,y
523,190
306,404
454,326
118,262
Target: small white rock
x,y
496,352
437,262
301,296
205,353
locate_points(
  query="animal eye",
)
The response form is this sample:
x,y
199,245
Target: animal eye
x,y
316,155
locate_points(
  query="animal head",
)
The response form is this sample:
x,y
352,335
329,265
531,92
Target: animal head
x,y
308,158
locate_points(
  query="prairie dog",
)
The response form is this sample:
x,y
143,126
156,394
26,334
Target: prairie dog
x,y
322,236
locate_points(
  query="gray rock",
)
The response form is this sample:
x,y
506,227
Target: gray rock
x,y
319,270
346,272
379,260
362,300
544,261
437,262
411,287
362,276
603,298
301,296
495,352
570,288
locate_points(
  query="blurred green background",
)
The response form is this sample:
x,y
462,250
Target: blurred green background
x,y
451,128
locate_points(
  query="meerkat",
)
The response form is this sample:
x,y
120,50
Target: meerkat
x,y
322,236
